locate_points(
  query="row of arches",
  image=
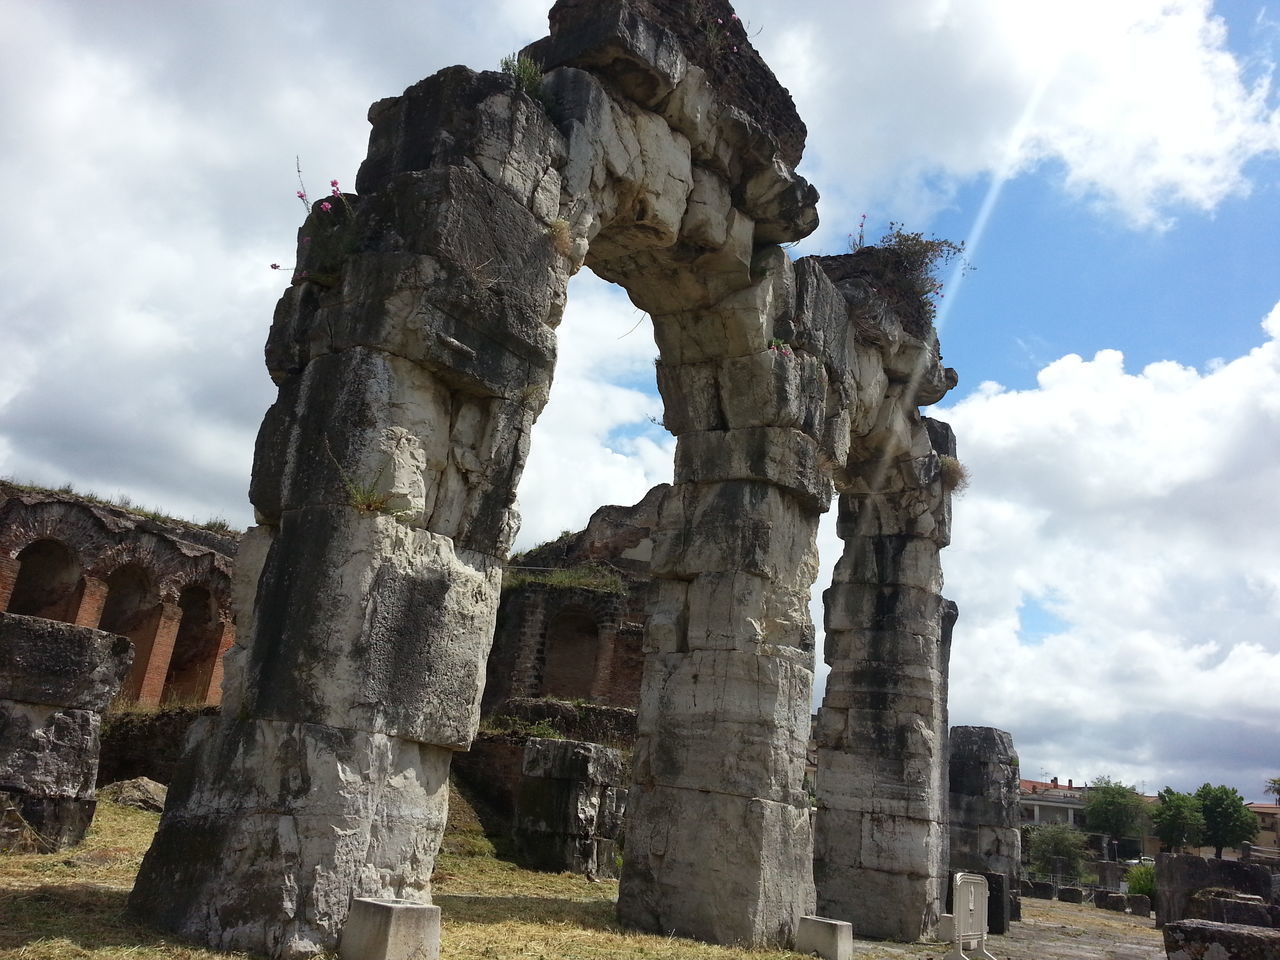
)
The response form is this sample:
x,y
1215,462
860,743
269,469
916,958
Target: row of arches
x,y
170,602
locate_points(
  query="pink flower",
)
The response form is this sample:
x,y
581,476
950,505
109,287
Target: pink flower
x,y
735,49
337,192
734,17
334,184
301,195
306,239
326,206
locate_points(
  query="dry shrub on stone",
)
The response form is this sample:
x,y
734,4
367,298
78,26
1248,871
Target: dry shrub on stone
x,y
561,238
955,475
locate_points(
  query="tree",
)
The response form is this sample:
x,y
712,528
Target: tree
x,y
1112,808
1052,840
1178,820
1227,821
1273,788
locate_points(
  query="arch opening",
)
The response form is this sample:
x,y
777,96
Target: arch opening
x,y
48,583
195,648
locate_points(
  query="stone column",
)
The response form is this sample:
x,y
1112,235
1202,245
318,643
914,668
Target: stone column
x,y
153,641
881,839
93,597
8,579
212,693
412,353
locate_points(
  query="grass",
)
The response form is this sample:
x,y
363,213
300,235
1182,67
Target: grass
x,y
70,906
585,576
120,501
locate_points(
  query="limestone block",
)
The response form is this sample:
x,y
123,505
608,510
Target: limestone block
x,y
1204,940
37,824
571,760
783,205
271,828
640,57
740,324
391,930
690,396
365,428
59,664
726,721
778,387
735,526
708,210
829,939
890,904
890,560
385,629
1071,895
881,609
48,751
716,867
1139,905
456,116
780,456
855,782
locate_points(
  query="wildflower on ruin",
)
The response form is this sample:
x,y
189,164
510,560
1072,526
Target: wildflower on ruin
x,y
275,266
326,206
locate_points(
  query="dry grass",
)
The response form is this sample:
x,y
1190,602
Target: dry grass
x,y
70,906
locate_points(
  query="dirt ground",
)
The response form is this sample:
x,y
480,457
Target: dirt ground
x,y
1052,931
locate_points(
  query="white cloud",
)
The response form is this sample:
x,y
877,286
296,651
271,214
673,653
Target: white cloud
x,y
1142,107
1138,508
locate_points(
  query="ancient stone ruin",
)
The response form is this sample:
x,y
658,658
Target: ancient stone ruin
x,y
413,353
55,681
165,585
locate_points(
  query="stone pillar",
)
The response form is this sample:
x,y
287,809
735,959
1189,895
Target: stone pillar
x,y
568,810
93,597
412,353
55,680
153,641
8,579
212,693
881,838
718,836
985,815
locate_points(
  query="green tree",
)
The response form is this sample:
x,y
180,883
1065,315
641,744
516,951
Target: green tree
x,y
1052,840
1227,821
1273,788
1113,808
1177,821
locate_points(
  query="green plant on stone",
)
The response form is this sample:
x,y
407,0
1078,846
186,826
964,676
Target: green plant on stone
x,y
363,495
916,261
525,70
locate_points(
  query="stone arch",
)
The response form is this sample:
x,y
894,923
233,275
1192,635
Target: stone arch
x,y
195,647
413,354
48,581
571,654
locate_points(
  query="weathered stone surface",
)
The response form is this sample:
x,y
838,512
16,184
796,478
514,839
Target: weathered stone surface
x,y
1139,904
59,664
1179,876
1220,907
54,679
334,814
1071,895
569,804
1204,940
1041,890
984,803
141,793
1117,902
715,866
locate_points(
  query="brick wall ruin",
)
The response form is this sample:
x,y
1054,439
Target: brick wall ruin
x,y
166,586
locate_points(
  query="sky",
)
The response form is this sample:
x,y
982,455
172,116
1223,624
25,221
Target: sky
x,y
1112,165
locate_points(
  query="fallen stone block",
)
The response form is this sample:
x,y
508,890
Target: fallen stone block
x,y
1206,940
1041,890
829,939
1071,895
141,793
1139,904
1117,902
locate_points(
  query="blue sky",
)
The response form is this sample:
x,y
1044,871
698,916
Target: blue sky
x,y
1116,557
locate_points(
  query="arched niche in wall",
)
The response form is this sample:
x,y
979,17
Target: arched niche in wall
x,y
195,649
130,610
570,654
48,581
